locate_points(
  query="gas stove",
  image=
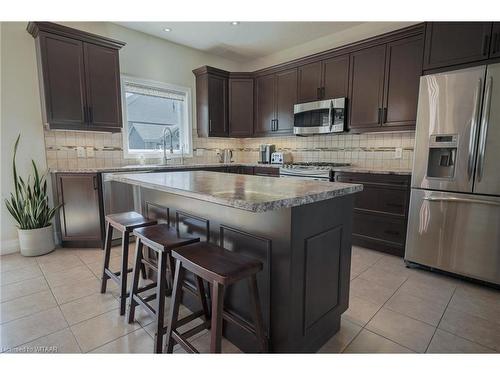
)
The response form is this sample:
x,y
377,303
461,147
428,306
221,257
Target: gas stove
x,y
306,170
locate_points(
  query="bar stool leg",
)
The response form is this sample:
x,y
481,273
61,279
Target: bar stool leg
x,y
257,313
203,298
175,302
217,306
123,272
107,255
160,301
135,280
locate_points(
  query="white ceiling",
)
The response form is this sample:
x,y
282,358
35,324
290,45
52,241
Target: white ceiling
x,y
244,42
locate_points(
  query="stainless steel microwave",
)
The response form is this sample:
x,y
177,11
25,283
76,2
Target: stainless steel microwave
x,y
321,117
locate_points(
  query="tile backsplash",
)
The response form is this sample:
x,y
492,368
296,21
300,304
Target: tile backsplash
x,y
373,150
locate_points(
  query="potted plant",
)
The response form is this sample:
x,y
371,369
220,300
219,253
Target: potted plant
x,y
29,206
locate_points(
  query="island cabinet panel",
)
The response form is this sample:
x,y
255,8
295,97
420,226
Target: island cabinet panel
x,y
452,43
80,218
380,210
79,78
102,72
241,107
62,81
367,87
286,98
402,78
265,99
310,82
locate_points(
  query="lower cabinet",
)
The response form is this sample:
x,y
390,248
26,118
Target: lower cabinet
x,y
81,213
380,210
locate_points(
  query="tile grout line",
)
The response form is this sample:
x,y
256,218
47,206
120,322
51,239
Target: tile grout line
x,y
442,315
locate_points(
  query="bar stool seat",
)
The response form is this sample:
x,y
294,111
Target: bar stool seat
x,y
160,238
220,268
124,222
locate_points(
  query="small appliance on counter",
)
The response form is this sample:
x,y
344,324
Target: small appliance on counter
x,y
281,158
225,156
265,152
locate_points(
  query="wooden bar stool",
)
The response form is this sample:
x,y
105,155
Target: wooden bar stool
x,y
221,268
124,222
160,238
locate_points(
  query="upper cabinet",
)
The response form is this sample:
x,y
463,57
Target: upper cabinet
x,y
452,43
212,102
495,40
79,78
241,108
384,85
325,79
275,95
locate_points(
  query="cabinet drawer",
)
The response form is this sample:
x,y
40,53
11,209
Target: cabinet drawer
x,y
382,199
379,227
266,171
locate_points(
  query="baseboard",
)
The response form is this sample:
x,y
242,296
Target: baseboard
x,y
9,247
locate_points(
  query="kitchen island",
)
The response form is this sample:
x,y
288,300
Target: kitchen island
x,y
299,229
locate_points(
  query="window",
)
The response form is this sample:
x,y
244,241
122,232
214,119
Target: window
x,y
155,113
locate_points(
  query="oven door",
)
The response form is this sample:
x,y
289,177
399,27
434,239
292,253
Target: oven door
x,y
326,116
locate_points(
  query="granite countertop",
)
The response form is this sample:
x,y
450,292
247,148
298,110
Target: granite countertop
x,y
250,193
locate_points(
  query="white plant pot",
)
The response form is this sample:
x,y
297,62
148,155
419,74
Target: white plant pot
x,y
35,242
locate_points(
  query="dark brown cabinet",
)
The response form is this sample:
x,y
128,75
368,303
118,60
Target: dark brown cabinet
x,y
276,95
402,78
79,78
323,79
241,106
380,210
80,213
367,87
495,41
212,102
452,43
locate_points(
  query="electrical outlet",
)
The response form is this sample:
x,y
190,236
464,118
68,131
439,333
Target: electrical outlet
x,y
398,154
90,152
80,152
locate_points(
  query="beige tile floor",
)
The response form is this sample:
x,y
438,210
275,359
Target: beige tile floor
x,y
52,304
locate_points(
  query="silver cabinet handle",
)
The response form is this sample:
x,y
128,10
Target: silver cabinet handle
x,y
484,128
461,200
473,132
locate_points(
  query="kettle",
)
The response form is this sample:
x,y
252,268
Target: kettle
x,y
225,156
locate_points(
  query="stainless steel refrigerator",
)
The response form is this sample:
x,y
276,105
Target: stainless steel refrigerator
x,y
454,218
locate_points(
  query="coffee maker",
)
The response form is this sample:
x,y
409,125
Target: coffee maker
x,y
265,152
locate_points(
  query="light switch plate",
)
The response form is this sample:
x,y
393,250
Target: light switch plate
x,y
398,153
80,152
90,152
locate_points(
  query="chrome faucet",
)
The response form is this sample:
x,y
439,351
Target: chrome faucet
x,y
165,159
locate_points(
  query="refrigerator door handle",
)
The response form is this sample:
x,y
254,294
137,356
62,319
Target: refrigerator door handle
x,y
473,132
461,200
484,128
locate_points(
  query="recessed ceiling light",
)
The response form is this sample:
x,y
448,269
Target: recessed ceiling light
x,y
167,29
235,23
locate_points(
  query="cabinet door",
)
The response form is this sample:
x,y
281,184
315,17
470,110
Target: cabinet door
x,y
309,82
217,106
265,104
241,107
451,43
286,98
495,40
336,77
402,77
63,81
102,73
367,87
80,210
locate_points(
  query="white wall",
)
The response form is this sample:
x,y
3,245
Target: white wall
x,y
144,56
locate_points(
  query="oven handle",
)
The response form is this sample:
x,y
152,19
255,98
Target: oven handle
x,y
461,200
